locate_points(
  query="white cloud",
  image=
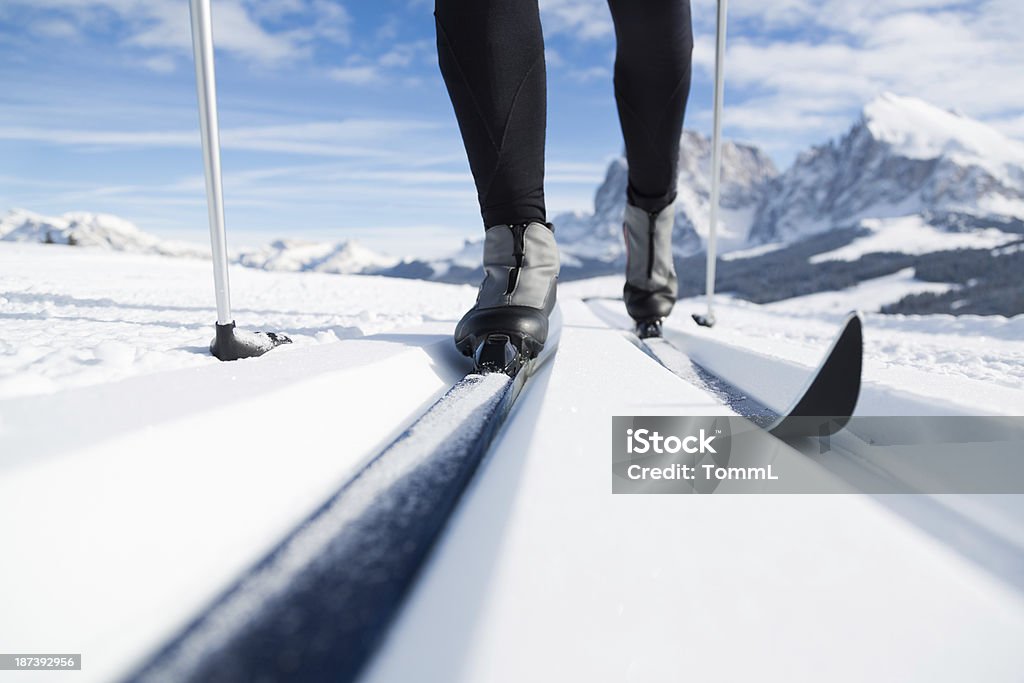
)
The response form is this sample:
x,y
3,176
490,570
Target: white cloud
x,y
802,68
349,138
162,64
54,28
367,74
593,73
582,19
799,69
240,26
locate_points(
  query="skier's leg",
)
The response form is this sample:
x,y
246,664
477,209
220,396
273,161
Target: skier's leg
x,y
491,54
652,83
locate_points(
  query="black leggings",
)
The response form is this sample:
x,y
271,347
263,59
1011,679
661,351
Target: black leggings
x,y
491,54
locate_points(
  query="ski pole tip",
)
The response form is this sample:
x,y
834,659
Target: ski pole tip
x,y
234,344
704,320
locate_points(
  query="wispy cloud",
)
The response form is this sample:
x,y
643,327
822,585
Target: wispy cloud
x,y
582,19
347,138
341,115
357,75
263,32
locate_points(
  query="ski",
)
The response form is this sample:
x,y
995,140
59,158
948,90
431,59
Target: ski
x,y
830,392
318,604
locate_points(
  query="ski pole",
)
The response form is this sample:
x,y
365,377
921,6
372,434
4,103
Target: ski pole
x,y
227,345
206,89
708,319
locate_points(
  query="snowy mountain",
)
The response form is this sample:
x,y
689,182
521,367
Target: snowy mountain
x,y
116,234
90,230
321,257
909,186
591,243
903,157
746,171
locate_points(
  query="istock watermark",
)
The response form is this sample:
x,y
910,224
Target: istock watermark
x,y
729,454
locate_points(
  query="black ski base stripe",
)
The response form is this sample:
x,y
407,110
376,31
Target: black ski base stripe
x,y
317,606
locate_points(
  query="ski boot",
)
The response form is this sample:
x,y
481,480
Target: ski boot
x,y
508,325
651,286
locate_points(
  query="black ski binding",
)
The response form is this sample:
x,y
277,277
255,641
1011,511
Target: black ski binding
x,y
647,329
498,353
233,344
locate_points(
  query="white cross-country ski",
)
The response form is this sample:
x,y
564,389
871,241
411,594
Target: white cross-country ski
x,y
317,605
830,391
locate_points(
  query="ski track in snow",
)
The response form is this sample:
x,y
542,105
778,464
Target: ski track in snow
x,y
987,349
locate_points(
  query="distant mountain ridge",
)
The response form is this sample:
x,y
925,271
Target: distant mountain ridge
x,y
85,229
908,185
106,231
902,157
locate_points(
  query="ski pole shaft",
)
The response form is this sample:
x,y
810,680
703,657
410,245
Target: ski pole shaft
x,y
716,151
206,89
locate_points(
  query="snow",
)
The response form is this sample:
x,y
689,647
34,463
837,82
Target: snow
x,y
751,252
543,574
91,316
919,130
90,230
321,257
117,234
912,235
140,477
442,424
902,157
867,296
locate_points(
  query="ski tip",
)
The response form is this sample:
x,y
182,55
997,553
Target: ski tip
x,y
854,317
830,399
853,332
704,320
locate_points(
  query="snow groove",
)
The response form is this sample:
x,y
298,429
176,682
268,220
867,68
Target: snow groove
x,y
324,597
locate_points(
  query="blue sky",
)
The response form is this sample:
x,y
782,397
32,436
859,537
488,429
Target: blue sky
x,y
335,122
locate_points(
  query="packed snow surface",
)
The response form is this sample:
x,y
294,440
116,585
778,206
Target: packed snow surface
x,y
139,477
89,316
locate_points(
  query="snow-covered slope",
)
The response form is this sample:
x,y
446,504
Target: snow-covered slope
x,y
902,157
70,318
913,235
112,414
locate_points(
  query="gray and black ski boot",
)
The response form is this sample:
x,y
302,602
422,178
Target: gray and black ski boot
x,y
508,325
651,286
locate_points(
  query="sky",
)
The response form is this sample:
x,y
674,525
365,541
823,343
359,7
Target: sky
x,y
335,122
